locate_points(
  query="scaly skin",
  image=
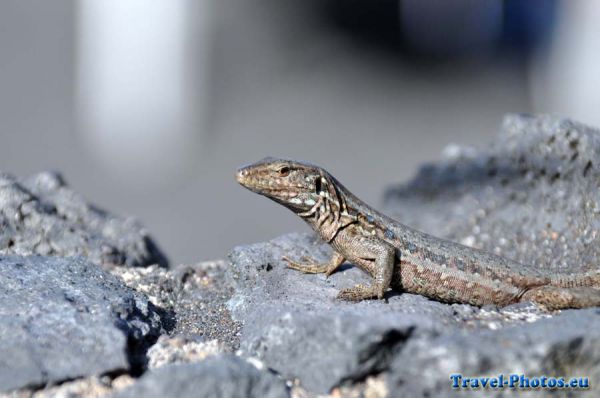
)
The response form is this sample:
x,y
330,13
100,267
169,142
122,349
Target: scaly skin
x,y
400,257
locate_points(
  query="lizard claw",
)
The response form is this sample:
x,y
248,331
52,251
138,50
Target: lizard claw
x,y
288,260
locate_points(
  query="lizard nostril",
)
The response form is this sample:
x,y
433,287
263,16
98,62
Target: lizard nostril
x,y
240,174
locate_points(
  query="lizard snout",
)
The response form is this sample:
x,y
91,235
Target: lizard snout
x,y
241,174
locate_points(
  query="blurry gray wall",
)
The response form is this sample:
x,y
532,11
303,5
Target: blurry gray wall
x,y
256,78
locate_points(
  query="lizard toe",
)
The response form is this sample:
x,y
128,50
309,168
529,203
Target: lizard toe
x,y
356,293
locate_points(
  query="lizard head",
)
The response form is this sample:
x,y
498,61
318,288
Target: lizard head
x,y
296,185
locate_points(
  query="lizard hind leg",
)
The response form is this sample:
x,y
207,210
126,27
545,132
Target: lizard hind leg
x,y
556,298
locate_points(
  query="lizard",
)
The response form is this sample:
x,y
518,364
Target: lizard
x,y
402,258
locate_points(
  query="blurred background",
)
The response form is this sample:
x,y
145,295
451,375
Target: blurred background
x,y
147,107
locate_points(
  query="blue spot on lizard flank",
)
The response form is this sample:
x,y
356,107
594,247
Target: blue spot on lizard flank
x,y
389,234
412,247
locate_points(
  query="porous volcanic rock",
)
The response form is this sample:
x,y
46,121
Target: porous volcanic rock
x,y
225,376
63,318
41,215
567,345
531,196
293,323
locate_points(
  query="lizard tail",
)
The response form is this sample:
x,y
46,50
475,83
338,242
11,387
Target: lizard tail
x,y
556,298
585,279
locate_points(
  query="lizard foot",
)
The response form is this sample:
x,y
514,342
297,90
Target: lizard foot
x,y
308,266
357,293
311,266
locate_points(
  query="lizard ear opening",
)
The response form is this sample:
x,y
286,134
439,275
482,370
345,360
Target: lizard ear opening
x,y
318,185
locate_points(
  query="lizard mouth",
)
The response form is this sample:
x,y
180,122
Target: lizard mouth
x,y
271,191
259,186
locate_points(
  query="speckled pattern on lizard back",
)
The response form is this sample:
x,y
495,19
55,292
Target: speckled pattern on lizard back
x,y
400,257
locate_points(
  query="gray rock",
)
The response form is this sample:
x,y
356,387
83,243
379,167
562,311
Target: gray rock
x,y
293,323
567,345
222,377
66,318
531,196
195,295
90,387
179,349
41,215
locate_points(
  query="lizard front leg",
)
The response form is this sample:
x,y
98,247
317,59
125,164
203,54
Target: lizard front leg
x,y
311,266
377,258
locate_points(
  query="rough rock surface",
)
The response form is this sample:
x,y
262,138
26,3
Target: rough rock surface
x,y
41,215
88,387
567,345
531,196
67,318
195,295
293,323
179,349
225,376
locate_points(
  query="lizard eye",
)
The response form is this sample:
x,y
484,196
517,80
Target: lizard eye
x,y
284,171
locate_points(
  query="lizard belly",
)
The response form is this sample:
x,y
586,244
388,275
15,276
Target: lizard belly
x,y
454,286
